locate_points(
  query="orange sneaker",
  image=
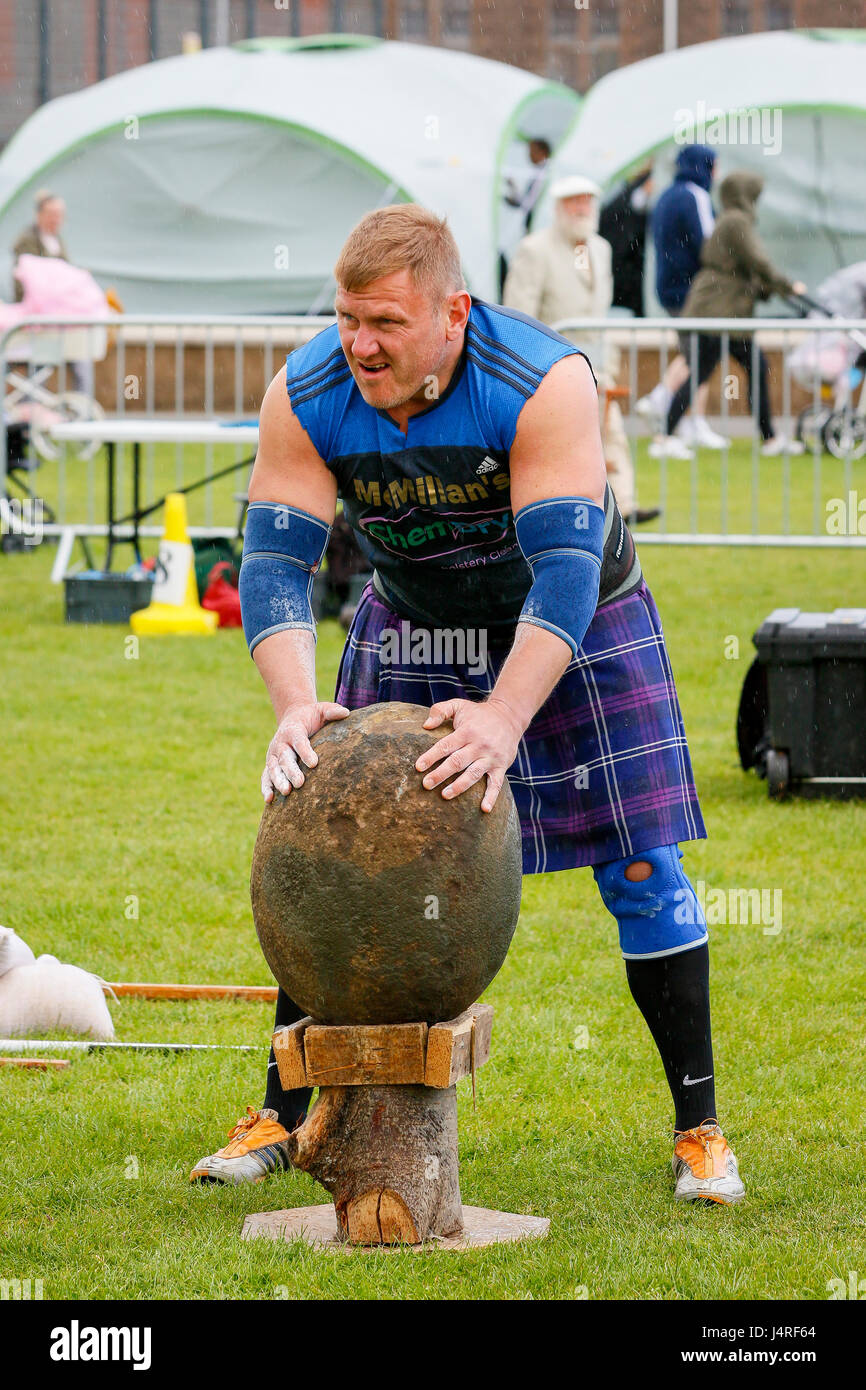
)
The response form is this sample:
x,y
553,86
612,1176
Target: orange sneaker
x,y
257,1147
704,1166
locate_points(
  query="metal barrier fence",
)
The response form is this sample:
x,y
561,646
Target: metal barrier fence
x,y
195,367
174,369
733,495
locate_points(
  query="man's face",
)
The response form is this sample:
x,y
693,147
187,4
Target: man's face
x,y
538,152
396,339
578,205
50,216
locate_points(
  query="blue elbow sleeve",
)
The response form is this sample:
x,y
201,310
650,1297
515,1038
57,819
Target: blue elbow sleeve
x,y
283,548
562,539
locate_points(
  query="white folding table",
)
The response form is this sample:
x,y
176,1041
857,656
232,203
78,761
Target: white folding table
x,y
116,431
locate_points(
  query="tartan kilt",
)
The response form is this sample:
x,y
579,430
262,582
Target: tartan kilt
x,y
603,770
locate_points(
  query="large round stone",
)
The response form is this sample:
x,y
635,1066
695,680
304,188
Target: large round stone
x,y
376,900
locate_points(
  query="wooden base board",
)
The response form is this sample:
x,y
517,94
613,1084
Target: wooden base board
x,y
318,1227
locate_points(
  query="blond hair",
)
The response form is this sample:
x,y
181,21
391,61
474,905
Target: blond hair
x,y
403,236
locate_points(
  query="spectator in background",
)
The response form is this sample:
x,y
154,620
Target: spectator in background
x,y
564,272
43,238
735,272
539,158
623,222
539,155
681,221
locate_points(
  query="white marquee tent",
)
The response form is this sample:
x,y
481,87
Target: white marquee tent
x,y
787,105
225,181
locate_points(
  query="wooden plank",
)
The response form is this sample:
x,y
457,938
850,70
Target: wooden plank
x,y
41,1063
265,993
288,1045
317,1226
451,1052
366,1054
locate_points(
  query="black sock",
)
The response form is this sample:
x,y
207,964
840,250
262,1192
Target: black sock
x,y
291,1106
673,994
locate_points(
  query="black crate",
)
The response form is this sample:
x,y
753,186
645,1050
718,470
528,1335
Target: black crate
x,y
814,668
96,597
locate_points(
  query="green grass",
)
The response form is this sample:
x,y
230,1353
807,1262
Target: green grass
x,y
140,777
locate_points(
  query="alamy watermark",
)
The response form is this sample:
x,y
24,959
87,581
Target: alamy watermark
x,y
852,1287
711,125
730,907
77,1343
18,1290
22,516
440,646
846,516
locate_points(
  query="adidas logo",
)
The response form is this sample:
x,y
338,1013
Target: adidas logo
x,y
487,465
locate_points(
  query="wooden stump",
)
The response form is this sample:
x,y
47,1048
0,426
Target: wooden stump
x,y
382,1137
388,1156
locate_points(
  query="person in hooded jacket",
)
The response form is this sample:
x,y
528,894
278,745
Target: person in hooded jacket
x,y
735,273
682,219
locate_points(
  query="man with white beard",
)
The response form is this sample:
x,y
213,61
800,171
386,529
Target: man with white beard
x,y
564,272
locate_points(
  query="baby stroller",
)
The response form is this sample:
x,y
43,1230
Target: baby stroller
x,y
32,355
837,421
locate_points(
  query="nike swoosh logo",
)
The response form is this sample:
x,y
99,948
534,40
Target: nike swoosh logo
x,y
688,1082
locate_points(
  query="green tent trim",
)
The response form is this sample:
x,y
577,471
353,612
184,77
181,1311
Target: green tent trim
x,y
309,43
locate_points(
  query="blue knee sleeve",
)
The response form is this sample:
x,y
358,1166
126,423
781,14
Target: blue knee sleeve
x,y
283,548
659,916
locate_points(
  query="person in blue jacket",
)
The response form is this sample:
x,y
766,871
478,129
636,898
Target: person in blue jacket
x,y
682,220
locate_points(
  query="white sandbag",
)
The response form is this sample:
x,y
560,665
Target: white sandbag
x,y
13,951
48,997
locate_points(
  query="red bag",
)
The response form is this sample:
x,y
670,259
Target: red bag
x,y
221,594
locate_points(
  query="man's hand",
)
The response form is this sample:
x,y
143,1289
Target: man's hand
x,y
290,745
484,743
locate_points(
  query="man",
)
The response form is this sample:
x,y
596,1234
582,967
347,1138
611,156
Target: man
x,y
539,157
623,223
463,440
43,237
526,201
682,220
564,272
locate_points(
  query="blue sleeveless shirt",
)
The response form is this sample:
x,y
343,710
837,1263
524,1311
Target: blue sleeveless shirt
x,y
432,507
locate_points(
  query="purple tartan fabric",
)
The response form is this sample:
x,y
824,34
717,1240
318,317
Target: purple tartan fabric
x,y
614,714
